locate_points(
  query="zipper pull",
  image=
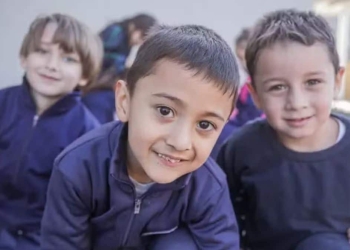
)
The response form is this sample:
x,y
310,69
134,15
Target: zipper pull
x,y
35,120
137,206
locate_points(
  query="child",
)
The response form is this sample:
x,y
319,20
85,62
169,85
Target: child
x,y
39,118
288,174
118,39
127,183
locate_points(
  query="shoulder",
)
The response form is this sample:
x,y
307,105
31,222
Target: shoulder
x,y
208,180
90,120
250,135
10,91
89,152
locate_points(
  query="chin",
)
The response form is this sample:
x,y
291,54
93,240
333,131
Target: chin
x,y
161,179
300,134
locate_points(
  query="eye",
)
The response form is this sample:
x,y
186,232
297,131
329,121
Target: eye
x,y
205,125
165,111
41,51
278,87
313,82
69,59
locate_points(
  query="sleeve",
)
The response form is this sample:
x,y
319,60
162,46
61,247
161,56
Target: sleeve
x,y
226,160
65,224
215,226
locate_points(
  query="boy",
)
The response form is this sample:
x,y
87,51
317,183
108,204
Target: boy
x,y
41,117
288,174
131,181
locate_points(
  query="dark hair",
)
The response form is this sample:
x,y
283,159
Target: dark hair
x,y
243,36
143,22
72,36
289,25
198,48
115,38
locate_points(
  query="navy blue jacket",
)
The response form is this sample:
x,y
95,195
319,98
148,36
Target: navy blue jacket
x,y
101,103
91,201
281,196
28,146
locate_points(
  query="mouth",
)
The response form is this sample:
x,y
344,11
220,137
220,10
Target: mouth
x,y
169,160
298,122
51,78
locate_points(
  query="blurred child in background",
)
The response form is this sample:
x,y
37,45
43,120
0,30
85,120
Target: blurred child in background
x,y
119,39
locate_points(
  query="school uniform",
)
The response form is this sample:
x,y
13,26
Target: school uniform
x,y
28,146
93,203
283,197
101,103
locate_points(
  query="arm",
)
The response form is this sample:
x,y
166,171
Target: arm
x,y
215,226
65,224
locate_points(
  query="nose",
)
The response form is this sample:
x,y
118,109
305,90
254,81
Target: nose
x,y
297,99
180,137
52,62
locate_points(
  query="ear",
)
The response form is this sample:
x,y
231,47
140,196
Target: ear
x,y
82,83
122,101
255,96
338,81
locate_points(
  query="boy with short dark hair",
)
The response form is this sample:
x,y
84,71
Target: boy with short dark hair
x,y
39,118
127,183
288,174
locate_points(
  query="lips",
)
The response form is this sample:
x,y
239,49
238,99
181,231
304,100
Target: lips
x,y
170,160
48,77
298,122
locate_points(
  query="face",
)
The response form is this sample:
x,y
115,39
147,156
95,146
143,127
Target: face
x,y
136,37
51,72
174,120
294,86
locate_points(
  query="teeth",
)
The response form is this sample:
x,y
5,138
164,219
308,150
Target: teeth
x,y
168,159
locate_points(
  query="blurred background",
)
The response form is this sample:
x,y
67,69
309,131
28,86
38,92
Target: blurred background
x,y
227,17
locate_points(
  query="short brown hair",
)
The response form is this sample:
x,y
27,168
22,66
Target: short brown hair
x,y
196,47
289,25
72,36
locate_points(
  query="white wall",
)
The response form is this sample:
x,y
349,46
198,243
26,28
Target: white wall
x,y
227,17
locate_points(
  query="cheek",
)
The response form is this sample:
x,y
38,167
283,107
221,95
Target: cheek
x,y
72,72
272,104
203,148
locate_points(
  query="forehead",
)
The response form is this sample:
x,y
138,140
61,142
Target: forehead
x,y
197,93
293,59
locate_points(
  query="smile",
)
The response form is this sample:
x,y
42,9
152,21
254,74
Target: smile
x,y
49,77
168,158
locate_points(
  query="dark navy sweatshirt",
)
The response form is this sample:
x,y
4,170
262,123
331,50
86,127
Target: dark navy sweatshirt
x,y
92,203
281,196
28,146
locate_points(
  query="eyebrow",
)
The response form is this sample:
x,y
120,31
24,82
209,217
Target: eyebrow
x,y
273,79
313,73
181,103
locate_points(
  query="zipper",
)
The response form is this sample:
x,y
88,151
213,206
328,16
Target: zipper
x,y
20,158
137,206
35,120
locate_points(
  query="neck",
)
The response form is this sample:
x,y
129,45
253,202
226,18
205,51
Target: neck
x,y
134,168
324,137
